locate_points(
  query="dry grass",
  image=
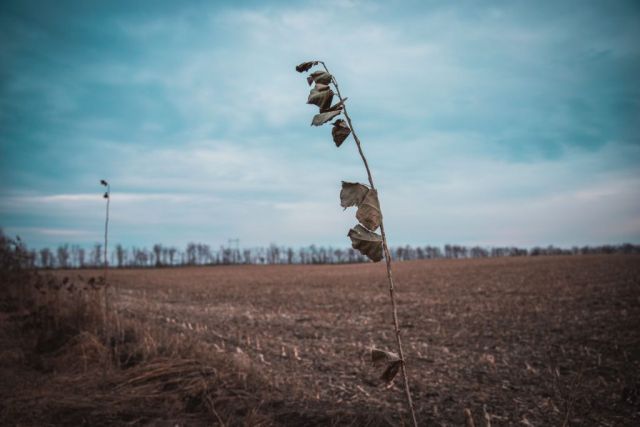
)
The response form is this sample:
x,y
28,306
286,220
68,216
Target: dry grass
x,y
530,341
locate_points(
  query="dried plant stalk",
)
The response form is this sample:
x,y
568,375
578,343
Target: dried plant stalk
x,y
107,195
321,96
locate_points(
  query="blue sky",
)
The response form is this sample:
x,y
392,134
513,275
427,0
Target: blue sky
x,y
484,122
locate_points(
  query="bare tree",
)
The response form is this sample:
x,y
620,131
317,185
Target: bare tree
x,y
47,259
191,253
96,254
157,250
120,255
172,254
63,256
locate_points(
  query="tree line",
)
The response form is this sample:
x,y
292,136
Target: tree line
x,y
76,256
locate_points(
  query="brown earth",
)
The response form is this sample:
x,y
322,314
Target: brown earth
x,y
538,341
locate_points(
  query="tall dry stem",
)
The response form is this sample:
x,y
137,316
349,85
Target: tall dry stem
x,y
107,195
342,106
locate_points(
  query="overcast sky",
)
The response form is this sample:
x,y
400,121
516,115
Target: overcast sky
x,y
488,123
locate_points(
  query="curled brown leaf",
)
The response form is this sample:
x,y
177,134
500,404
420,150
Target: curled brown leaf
x,y
337,106
369,213
340,132
390,372
305,66
367,242
381,357
322,118
319,77
321,96
390,360
352,194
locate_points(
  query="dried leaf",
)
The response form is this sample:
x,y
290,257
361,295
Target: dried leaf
x,y
386,358
334,107
390,372
369,213
311,77
367,242
306,66
352,194
319,77
381,357
321,96
324,78
340,132
322,118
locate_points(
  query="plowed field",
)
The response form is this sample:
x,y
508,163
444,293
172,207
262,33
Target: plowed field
x,y
536,341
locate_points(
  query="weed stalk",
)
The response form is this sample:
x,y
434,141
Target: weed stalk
x,y
107,195
387,255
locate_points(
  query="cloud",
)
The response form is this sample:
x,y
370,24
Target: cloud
x,y
50,232
504,123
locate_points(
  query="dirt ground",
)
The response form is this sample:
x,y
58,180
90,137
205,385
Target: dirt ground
x,y
537,341
516,341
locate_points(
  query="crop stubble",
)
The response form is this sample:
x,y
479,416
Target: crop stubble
x,y
521,340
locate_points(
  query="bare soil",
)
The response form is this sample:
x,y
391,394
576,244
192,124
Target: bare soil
x,y
537,341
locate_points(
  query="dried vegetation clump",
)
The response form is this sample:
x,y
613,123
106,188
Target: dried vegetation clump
x,y
57,368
